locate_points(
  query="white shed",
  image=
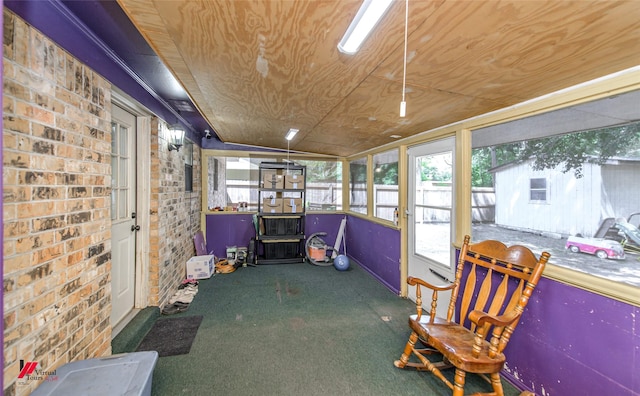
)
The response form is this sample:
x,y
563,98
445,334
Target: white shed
x,y
555,202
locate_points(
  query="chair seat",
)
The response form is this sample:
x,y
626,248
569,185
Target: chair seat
x,y
456,344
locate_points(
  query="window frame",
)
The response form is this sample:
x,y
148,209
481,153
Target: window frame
x,y
188,165
366,162
377,158
544,189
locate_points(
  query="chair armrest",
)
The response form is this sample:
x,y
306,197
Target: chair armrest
x,y
481,318
417,281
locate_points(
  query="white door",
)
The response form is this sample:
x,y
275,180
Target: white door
x,y
430,217
123,217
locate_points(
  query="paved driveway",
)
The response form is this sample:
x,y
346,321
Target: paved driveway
x,y
626,271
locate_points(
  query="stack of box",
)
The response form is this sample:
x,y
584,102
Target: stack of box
x,y
200,267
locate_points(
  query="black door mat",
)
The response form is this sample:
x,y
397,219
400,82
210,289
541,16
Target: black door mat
x,y
172,336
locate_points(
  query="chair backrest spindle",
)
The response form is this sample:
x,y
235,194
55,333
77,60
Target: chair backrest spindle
x,y
499,281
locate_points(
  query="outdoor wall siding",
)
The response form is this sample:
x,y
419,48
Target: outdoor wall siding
x,y
57,227
580,200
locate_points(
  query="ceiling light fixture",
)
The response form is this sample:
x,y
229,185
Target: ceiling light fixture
x,y
370,12
403,104
292,132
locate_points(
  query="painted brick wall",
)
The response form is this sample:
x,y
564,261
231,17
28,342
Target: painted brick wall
x,y
56,162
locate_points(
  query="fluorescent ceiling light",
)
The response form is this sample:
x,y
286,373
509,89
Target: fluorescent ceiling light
x,y
370,12
292,132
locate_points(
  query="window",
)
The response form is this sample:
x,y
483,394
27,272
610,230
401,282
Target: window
x,y
385,184
538,189
234,180
358,185
231,181
188,165
589,169
324,185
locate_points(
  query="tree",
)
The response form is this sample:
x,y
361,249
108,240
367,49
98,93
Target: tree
x,y
386,174
485,158
435,168
323,171
571,151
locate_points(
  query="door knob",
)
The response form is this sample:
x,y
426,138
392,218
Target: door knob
x,y
135,228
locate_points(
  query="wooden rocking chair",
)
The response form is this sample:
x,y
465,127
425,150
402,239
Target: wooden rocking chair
x,y
496,286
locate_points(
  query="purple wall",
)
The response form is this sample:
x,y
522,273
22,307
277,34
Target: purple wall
x,y
228,230
237,229
376,248
329,223
574,342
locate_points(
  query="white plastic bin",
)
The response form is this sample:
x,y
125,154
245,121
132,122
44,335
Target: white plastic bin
x,y
124,374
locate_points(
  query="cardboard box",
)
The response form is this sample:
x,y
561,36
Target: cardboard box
x,y
200,267
272,180
295,182
272,205
292,205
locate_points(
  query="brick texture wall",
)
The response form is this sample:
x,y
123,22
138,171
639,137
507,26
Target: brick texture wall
x,y
56,167
175,215
56,175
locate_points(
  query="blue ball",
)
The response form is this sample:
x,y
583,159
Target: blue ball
x,y
341,262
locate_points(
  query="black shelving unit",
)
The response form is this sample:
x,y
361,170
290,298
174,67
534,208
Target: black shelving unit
x,y
281,213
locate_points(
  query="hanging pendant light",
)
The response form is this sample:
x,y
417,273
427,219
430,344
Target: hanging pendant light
x,y
403,104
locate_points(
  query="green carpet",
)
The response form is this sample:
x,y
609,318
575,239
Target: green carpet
x,y
298,329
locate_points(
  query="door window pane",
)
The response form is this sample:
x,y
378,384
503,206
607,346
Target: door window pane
x,y
433,198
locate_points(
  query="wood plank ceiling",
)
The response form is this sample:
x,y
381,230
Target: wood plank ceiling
x,y
257,68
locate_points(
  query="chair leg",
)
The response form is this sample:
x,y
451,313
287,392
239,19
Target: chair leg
x,y
404,359
497,384
458,383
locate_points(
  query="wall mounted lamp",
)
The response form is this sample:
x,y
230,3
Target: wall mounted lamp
x,y
176,137
370,12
